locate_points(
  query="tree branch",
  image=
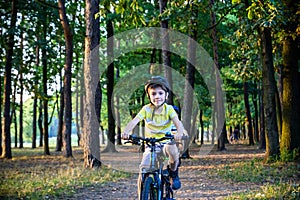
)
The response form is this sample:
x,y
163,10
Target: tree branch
x,y
219,21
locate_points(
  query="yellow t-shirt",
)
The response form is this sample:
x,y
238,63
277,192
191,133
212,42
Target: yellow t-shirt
x,y
160,123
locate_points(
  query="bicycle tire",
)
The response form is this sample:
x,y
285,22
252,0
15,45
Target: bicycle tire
x,y
149,192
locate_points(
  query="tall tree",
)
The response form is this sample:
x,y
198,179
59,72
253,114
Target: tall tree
x,y
290,139
269,87
110,87
91,77
59,137
45,89
67,128
248,113
118,117
218,101
166,55
6,146
259,13
40,122
187,111
35,90
21,69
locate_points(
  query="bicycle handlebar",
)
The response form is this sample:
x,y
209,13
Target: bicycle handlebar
x,y
136,139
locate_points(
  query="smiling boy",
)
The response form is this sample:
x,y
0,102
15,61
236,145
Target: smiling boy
x,y
158,117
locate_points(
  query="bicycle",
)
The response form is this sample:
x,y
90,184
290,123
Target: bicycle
x,y
155,184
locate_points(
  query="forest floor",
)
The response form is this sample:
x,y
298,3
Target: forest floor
x,y
199,175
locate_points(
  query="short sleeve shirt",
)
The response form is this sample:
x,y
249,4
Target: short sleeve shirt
x,y
156,125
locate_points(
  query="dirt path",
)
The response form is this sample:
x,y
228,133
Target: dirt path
x,y
198,175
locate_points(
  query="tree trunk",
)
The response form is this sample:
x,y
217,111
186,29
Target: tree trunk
x,y
269,87
222,139
202,127
40,122
67,128
248,114
256,131
34,122
45,95
290,139
6,146
1,117
77,107
118,118
90,129
21,91
187,108
14,119
59,140
262,136
82,103
278,112
110,87
13,115
219,106
35,99
98,99
21,112
166,56
45,110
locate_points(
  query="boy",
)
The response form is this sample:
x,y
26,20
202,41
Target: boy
x,y
158,117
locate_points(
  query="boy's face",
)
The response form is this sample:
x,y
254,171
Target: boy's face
x,y
157,96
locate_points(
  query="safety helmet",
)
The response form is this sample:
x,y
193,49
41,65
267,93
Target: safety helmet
x,y
157,80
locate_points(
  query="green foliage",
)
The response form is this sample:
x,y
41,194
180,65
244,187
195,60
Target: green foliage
x,y
287,155
236,1
245,55
266,14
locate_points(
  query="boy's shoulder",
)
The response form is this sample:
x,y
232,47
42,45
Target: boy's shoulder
x,y
168,106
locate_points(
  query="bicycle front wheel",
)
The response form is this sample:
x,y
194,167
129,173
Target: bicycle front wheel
x,y
150,192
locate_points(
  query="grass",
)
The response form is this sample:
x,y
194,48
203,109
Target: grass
x,y
31,175
278,180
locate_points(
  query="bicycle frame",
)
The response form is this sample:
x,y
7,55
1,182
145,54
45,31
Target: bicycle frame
x,y
155,171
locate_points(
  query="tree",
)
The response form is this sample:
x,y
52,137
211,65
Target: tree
x,y
166,56
67,130
45,89
59,138
258,15
218,98
248,114
269,87
290,139
187,111
35,83
6,146
91,142
110,87
21,81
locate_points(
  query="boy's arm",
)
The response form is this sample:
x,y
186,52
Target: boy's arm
x,y
130,126
179,127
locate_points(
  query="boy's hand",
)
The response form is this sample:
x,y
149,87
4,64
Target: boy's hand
x,y
177,136
125,136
